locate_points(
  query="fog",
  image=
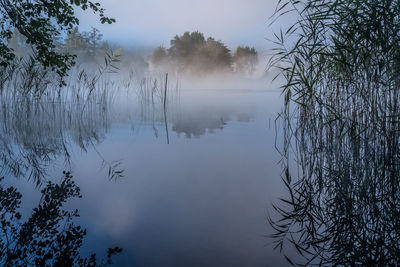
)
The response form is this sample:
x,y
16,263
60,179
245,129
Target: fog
x,y
173,139
154,22
175,158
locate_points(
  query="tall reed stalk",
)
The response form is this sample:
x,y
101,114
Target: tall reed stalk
x,y
38,119
341,149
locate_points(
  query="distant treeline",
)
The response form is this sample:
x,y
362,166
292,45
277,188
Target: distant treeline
x,y
89,47
84,44
192,53
189,54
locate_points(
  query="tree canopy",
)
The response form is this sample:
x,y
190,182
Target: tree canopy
x,y
213,56
86,44
40,22
245,59
183,48
194,54
160,56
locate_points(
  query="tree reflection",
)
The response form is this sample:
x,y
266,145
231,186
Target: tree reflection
x,y
49,237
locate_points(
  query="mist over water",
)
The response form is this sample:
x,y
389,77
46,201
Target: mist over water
x,y
197,197
171,158
192,202
165,140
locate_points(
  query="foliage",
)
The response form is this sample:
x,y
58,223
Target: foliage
x,y
40,21
341,126
213,56
40,121
245,59
94,38
88,46
160,56
49,237
193,54
75,41
183,48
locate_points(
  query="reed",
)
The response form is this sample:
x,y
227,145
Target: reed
x,y
40,120
165,107
341,138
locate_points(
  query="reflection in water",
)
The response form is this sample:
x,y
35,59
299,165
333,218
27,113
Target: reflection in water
x,y
344,201
181,215
342,131
192,113
213,112
49,237
35,132
191,127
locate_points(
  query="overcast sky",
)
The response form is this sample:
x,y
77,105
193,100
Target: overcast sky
x,y
142,23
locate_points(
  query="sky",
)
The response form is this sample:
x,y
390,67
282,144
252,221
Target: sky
x,y
150,23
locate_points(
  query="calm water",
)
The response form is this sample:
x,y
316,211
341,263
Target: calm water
x,y
201,200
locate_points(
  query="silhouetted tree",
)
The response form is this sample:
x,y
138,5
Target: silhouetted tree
x,y
87,45
192,53
245,60
160,56
212,56
75,41
93,39
40,21
183,48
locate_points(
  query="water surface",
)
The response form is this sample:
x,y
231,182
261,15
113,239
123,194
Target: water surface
x,y
200,198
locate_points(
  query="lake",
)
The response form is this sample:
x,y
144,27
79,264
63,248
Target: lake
x,y
196,191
